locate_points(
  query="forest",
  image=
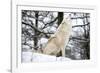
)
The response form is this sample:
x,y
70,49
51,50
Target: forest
x,y
38,26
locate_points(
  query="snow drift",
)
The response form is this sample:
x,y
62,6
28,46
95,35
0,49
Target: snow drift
x,y
37,57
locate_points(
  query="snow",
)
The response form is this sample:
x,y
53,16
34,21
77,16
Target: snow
x,y
42,42
46,19
26,56
37,57
43,58
53,29
55,14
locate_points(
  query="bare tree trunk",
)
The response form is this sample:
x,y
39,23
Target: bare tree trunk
x,y
88,37
60,17
35,31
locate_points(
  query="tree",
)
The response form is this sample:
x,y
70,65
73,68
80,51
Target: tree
x,y
35,31
60,17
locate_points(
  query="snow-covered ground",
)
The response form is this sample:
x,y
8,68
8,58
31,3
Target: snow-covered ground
x,y
37,57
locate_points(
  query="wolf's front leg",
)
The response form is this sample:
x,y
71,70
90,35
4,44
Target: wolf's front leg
x,y
63,52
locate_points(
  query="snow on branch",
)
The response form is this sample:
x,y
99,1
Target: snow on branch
x,y
40,31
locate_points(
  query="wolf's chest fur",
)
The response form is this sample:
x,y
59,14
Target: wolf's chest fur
x,y
60,39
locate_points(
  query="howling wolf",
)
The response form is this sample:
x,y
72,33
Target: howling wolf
x,y
59,40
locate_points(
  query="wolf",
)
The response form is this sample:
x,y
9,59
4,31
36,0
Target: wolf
x,y
57,43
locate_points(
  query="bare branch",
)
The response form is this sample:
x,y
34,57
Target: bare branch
x,y
50,22
80,17
32,26
40,31
80,25
80,39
